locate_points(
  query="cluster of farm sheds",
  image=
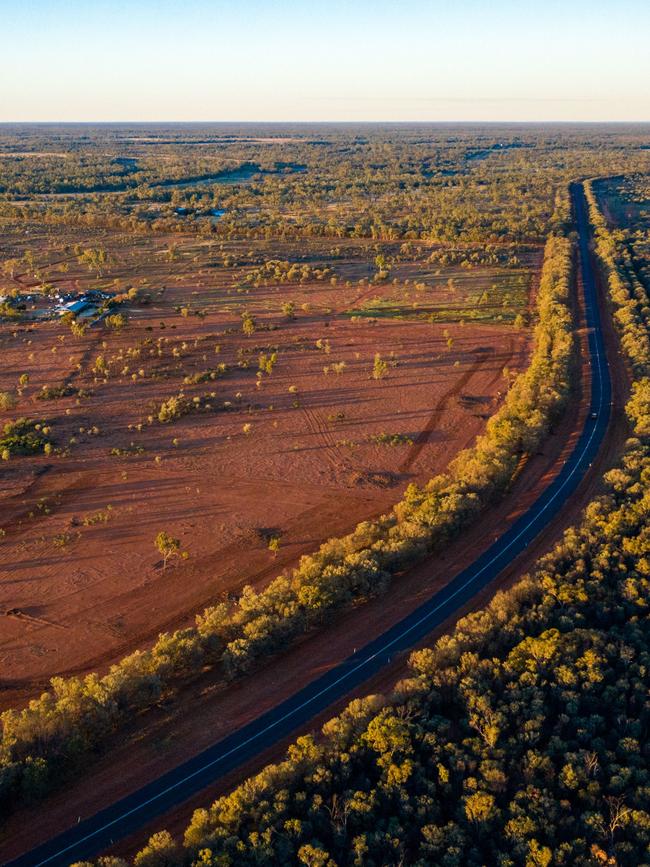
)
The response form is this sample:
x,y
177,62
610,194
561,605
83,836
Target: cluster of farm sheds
x,y
39,305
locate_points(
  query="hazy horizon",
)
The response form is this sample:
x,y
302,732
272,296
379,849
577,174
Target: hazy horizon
x,y
170,122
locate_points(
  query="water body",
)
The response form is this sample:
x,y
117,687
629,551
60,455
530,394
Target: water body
x,y
234,176
215,213
500,146
228,177
445,173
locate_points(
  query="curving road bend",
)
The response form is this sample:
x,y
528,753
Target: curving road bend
x,y
95,834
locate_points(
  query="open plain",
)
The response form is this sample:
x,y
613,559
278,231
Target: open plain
x,y
297,453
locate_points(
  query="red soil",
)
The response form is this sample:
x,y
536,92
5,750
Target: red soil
x,y
207,710
302,471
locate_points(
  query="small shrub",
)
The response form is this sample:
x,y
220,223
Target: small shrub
x,y
116,321
7,401
386,439
379,367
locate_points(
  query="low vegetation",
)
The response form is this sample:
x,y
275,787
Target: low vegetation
x,y
23,437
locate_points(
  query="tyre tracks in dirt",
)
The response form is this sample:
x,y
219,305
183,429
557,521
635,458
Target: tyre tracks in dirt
x,y
481,356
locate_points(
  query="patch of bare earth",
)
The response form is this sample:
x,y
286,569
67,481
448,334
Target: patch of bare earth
x,y
296,456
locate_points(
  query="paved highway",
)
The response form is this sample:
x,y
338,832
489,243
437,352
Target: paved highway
x,y
91,836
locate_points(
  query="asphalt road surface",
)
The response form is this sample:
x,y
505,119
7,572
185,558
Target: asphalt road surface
x,y
95,834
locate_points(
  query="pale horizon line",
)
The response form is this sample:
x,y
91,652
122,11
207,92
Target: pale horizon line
x,y
334,122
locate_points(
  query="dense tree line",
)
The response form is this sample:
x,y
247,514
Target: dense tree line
x,y
521,738
424,184
56,731
627,291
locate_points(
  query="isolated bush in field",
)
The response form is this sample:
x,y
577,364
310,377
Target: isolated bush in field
x,y
7,401
174,407
95,259
61,540
289,309
100,366
211,373
77,329
266,362
167,546
116,321
396,439
337,367
10,267
131,449
54,392
383,269
379,367
101,517
248,324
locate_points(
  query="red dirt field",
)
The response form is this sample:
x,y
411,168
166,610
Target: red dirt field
x,y
292,457
206,711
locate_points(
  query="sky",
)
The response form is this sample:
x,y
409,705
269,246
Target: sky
x,y
325,60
